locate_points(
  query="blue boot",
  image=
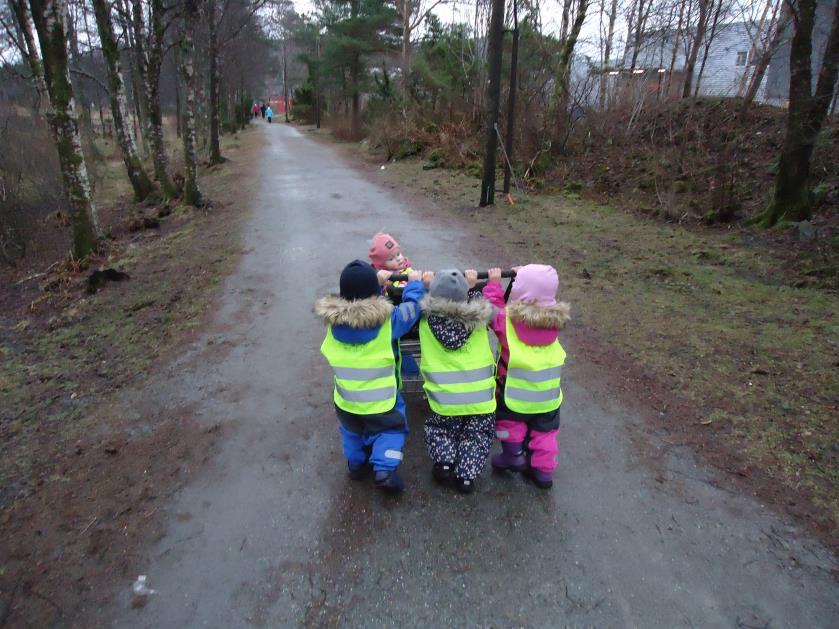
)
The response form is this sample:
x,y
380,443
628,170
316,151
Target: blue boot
x,y
389,481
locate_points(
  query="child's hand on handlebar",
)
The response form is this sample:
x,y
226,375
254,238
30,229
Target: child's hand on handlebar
x,y
383,276
494,274
427,277
471,276
415,276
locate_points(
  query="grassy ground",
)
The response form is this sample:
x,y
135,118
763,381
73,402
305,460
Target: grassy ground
x,y
736,329
79,482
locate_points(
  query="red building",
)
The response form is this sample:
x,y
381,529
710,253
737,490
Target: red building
x,y
278,104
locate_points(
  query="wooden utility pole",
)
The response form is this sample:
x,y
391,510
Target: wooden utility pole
x,y
495,41
317,81
285,77
511,100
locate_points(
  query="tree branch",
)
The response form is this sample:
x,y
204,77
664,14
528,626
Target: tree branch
x,y
255,7
423,16
13,37
87,75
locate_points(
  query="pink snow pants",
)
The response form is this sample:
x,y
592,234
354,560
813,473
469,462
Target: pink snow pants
x,y
543,446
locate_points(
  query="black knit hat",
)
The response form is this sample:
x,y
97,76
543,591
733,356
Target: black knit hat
x,y
359,281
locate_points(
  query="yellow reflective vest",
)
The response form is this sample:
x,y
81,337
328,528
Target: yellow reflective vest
x,y
365,373
458,381
533,375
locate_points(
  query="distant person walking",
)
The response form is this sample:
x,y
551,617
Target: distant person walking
x,y
255,109
262,110
269,113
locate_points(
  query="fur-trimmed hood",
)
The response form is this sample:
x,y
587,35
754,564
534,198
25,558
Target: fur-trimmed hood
x,y
362,313
539,317
452,322
470,313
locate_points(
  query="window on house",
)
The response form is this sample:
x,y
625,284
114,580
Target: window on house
x,y
741,58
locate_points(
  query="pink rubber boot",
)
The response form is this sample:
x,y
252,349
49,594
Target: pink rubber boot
x,y
544,453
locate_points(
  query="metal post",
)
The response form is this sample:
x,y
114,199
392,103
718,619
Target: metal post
x,y
511,101
496,38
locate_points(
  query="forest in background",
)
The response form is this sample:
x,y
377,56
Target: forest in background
x,y
614,99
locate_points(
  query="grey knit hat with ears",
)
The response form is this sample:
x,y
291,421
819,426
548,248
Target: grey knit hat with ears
x,y
449,284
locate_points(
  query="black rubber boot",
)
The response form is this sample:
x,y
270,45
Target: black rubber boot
x,y
442,472
389,481
464,485
358,473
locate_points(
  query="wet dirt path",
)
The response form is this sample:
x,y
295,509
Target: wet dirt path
x,y
275,535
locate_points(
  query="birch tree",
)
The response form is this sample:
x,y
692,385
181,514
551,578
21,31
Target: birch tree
x,y
119,106
49,17
412,13
154,63
30,51
189,19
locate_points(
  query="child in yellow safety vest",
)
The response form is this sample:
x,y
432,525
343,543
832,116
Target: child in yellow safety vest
x,y
529,393
458,368
362,347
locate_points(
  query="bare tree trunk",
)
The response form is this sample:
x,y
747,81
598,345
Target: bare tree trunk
x,y
640,23
80,93
690,66
285,76
404,9
215,123
355,75
708,41
131,22
179,120
756,40
152,85
807,114
630,22
24,22
119,106
566,18
49,17
559,97
192,195
676,42
613,13
765,57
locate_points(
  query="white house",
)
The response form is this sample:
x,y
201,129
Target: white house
x,y
724,66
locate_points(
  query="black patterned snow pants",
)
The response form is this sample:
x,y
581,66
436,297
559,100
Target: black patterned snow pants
x,y
463,440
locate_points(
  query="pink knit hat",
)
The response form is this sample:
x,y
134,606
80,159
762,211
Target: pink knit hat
x,y
381,248
536,283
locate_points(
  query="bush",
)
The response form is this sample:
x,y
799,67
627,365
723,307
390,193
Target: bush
x,y
30,181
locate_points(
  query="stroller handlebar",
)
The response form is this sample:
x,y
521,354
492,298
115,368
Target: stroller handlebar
x,y
482,275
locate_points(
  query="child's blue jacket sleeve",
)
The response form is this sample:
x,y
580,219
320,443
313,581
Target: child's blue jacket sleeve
x,y
405,316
